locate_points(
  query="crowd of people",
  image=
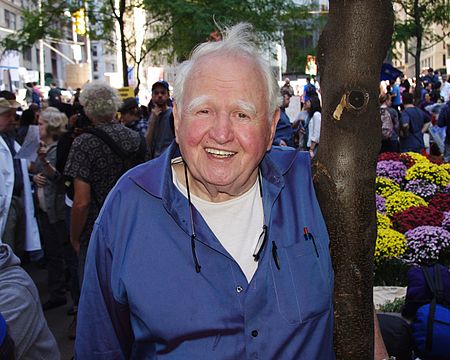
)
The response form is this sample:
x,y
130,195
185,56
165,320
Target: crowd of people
x,y
405,120
49,201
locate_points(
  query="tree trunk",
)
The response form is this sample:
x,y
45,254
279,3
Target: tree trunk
x,y
419,34
351,51
123,46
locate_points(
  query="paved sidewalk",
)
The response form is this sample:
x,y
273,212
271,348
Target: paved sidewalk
x,y
57,318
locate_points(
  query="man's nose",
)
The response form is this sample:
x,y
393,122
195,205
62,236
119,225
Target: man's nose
x,y
222,129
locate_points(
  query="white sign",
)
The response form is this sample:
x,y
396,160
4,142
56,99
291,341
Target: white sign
x,y
30,144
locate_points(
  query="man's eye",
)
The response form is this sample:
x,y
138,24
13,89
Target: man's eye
x,y
242,115
203,112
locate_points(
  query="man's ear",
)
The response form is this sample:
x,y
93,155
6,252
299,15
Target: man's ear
x,y
176,120
273,127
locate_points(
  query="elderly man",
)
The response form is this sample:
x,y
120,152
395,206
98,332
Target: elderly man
x,y
217,249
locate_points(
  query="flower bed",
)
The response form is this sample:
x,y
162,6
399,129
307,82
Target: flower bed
x,y
413,206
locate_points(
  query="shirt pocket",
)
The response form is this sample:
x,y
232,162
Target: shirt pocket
x,y
302,284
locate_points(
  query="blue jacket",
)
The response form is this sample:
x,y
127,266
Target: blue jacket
x,y
143,299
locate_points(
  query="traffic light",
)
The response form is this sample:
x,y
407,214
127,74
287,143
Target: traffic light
x,y
79,22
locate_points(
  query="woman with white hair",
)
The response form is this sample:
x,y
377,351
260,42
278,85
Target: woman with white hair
x,y
52,124
96,161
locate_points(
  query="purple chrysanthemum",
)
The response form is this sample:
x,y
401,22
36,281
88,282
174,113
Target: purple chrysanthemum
x,y
423,188
425,244
446,220
394,170
381,203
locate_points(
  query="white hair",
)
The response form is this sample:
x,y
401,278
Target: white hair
x,y
55,121
100,100
238,40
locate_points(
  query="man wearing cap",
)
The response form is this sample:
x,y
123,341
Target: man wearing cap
x,y
18,226
131,117
160,132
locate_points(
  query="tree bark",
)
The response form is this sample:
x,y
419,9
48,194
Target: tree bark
x,y
351,51
123,46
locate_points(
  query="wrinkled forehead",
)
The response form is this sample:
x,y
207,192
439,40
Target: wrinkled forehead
x,y
216,73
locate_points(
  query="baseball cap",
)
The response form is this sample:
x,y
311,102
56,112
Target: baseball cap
x,y
6,105
162,83
128,104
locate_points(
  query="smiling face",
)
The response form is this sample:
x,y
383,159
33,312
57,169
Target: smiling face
x,y
224,128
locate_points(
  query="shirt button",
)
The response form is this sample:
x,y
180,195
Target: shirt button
x,y
255,333
239,288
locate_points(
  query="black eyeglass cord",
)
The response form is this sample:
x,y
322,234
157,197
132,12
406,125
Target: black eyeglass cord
x,y
193,237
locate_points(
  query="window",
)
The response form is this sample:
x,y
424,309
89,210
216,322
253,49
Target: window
x,y
94,50
95,77
113,67
443,60
95,65
27,54
10,20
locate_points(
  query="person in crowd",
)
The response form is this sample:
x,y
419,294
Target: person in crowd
x,y
315,82
18,225
94,165
413,124
444,120
51,212
217,249
405,85
160,133
21,307
29,117
309,90
390,144
315,119
131,117
445,90
54,95
284,135
287,88
396,96
426,102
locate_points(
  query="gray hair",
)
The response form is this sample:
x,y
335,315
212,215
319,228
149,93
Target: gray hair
x,y
238,40
100,101
55,121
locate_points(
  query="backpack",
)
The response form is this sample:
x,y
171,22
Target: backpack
x,y
129,159
431,327
387,125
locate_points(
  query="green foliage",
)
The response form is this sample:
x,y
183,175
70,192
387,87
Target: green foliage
x,y
394,306
172,28
390,272
415,19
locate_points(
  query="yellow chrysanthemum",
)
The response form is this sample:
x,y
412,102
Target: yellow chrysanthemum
x,y
390,244
430,172
402,200
446,166
383,222
386,187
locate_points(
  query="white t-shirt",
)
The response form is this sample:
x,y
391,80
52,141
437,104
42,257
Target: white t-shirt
x,y
237,223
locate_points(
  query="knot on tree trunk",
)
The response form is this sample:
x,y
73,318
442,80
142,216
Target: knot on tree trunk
x,y
354,100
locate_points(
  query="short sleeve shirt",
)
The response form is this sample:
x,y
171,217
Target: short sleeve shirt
x,y
94,162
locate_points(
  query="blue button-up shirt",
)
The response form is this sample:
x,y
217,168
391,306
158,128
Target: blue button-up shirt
x,y
143,299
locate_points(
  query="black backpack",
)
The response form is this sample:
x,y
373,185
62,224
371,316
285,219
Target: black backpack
x,y
129,159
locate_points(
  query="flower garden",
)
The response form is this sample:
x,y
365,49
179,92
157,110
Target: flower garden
x,y
413,210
